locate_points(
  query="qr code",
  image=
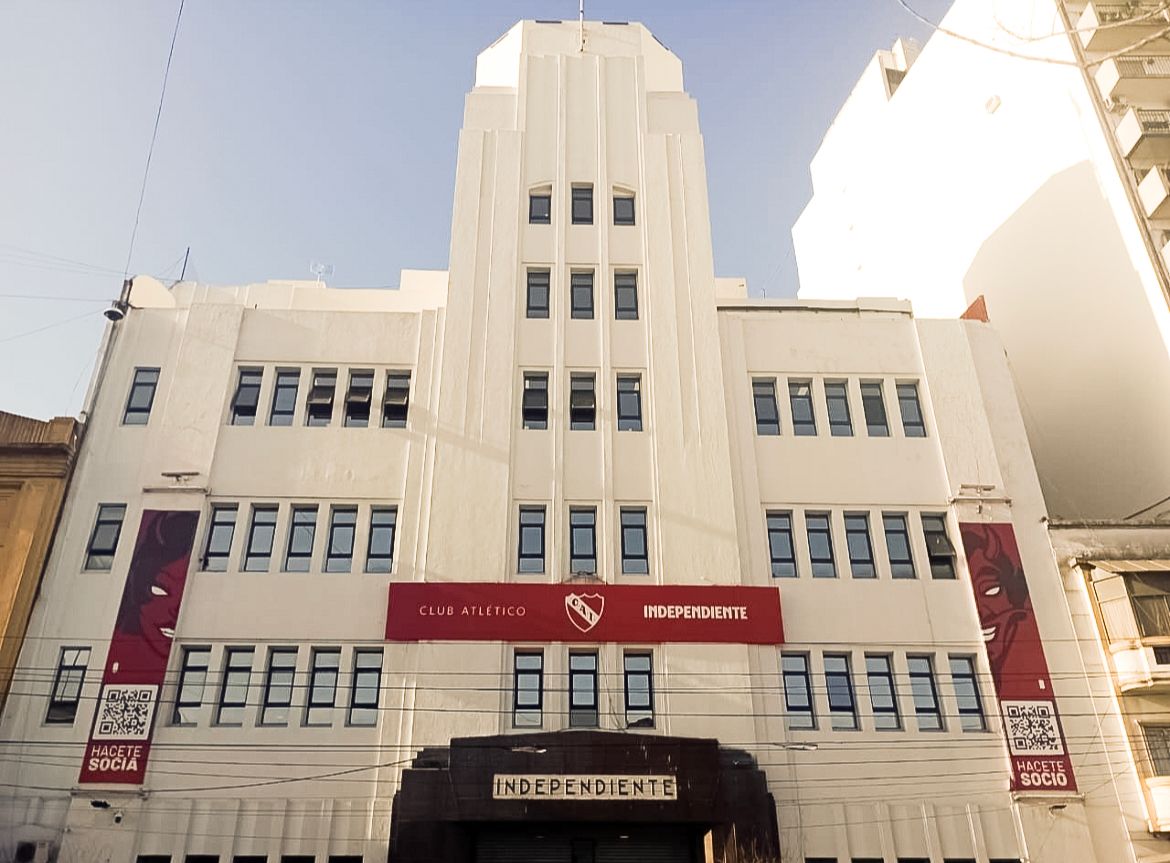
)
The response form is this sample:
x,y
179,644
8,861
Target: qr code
x,y
125,712
1032,728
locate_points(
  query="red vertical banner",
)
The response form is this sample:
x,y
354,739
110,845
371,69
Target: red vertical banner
x,y
140,649
1019,670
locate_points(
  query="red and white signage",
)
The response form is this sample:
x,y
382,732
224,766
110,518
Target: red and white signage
x,y
490,611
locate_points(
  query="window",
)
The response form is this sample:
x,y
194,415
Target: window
x,y
284,397
857,541
220,530
534,410
967,694
66,693
873,404
583,690
192,679
635,557
527,689
323,686
582,540
247,397
639,685
396,401
380,549
798,704
320,401
301,533
538,293
540,208
342,527
625,296
233,692
839,685
582,204
623,209
366,684
141,398
898,545
261,535
939,551
767,411
581,295
883,697
1158,745
912,423
531,554
780,546
629,403
837,402
800,397
924,693
278,686
582,403
358,398
820,544
103,542
1150,595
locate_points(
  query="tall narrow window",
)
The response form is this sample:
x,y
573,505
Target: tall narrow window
x,y
939,550
581,295
804,422
839,685
625,296
582,403
221,529
967,694
342,528
527,689
396,401
582,204
534,409
192,680
924,693
233,691
366,685
639,686
837,403
302,532
798,703
540,208
141,398
873,404
284,397
623,209
635,557
323,686
820,544
247,397
767,411
1158,746
583,690
278,686
883,697
583,540
861,563
780,546
67,683
380,550
537,294
530,557
320,401
103,542
898,545
913,425
261,535
629,403
358,398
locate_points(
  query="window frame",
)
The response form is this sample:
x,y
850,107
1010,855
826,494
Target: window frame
x,y
875,426
941,554
800,392
900,567
65,694
525,714
1155,759
101,559
782,567
355,688
250,552
215,526
581,204
585,715
632,563
910,402
396,399
534,383
927,678
853,532
886,675
630,386
320,402
532,287
245,404
586,384
359,399
226,680
638,715
534,217
764,397
270,704
582,286
840,718
317,670
622,219
301,516
187,667
798,718
136,414
819,563
837,396
971,719
537,565
625,295
277,415
340,562
373,557
579,563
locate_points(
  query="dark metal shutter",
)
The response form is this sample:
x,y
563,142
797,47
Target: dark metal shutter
x,y
517,848
665,849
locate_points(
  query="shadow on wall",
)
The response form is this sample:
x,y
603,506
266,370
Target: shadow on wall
x,y
1091,368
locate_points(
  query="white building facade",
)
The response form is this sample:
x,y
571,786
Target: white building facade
x,y
571,553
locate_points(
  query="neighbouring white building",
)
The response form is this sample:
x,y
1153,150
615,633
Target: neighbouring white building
x,y
572,553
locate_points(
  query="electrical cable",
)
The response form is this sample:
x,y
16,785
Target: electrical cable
x,y
53,325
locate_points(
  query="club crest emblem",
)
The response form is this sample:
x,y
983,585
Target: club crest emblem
x,y
584,609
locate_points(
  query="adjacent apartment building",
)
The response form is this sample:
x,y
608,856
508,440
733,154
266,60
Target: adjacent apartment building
x,y
571,553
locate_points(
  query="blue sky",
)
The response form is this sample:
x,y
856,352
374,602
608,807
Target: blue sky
x,y
298,131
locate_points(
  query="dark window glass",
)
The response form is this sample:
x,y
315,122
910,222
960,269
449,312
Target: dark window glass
x,y
582,205
278,686
141,398
582,540
540,208
358,399
912,423
623,209
582,403
581,295
873,403
780,546
220,530
798,703
527,689
261,534
247,397
839,685
629,403
939,550
967,694
66,692
531,554
103,542
396,401
883,697
898,545
192,680
323,686
924,693
861,563
366,685
320,401
302,532
1158,745
583,690
342,527
767,411
534,410
837,403
538,293
625,296
201,858
284,397
233,691
800,398
380,550
635,557
1150,596
639,685
820,544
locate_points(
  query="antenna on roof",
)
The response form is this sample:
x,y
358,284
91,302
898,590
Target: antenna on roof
x,y
320,270
581,21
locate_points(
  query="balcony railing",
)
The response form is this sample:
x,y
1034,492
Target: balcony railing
x,y
1116,26
1153,122
1144,67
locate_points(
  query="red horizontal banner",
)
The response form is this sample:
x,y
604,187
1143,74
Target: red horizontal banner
x,y
490,611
